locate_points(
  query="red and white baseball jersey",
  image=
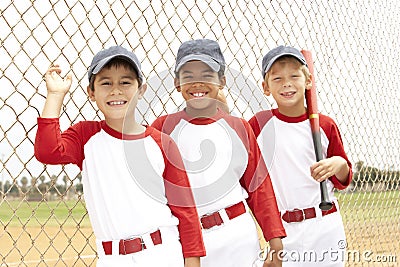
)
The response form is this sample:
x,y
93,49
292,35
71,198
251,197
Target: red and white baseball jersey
x,y
287,147
224,165
133,184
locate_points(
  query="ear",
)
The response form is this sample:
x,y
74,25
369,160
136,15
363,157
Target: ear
x,y
90,93
222,82
309,82
177,84
142,90
265,87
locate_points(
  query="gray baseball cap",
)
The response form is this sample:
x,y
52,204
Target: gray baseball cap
x,y
106,55
278,52
205,50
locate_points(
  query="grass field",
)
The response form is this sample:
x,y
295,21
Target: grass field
x,y
59,233
370,206
52,213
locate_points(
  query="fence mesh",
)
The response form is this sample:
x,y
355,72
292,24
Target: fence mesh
x,y
356,56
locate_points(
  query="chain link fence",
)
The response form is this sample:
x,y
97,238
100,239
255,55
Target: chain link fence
x,y
356,52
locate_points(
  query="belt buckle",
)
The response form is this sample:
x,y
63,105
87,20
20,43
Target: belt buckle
x,y
142,244
211,214
303,213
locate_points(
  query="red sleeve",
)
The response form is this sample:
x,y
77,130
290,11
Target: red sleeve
x,y
258,121
158,123
167,123
180,197
335,148
53,147
257,182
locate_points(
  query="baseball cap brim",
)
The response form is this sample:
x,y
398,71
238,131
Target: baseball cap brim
x,y
100,65
211,62
272,61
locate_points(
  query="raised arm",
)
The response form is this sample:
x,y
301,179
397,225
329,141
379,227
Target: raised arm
x,y
57,88
52,146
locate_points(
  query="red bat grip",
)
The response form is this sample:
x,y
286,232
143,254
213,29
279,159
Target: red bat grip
x,y
312,111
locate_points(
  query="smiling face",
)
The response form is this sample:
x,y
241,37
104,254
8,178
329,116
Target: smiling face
x,y
115,90
199,86
287,81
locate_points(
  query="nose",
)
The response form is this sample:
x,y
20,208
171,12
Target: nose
x,y
116,90
197,83
287,83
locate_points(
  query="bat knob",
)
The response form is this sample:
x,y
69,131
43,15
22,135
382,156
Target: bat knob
x,y
325,205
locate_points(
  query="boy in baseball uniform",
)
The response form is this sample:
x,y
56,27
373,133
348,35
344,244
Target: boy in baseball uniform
x,y
136,189
314,237
223,162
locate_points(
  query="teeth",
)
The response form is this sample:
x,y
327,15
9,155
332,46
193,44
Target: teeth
x,y
116,102
199,94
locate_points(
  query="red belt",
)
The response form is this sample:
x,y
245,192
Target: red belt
x,y
214,219
298,215
128,246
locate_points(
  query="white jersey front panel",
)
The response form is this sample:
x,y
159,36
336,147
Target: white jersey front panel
x,y
215,160
117,195
281,143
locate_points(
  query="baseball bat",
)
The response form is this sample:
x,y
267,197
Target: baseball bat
x,y
312,111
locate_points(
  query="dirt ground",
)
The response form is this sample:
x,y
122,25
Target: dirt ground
x,y
50,246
